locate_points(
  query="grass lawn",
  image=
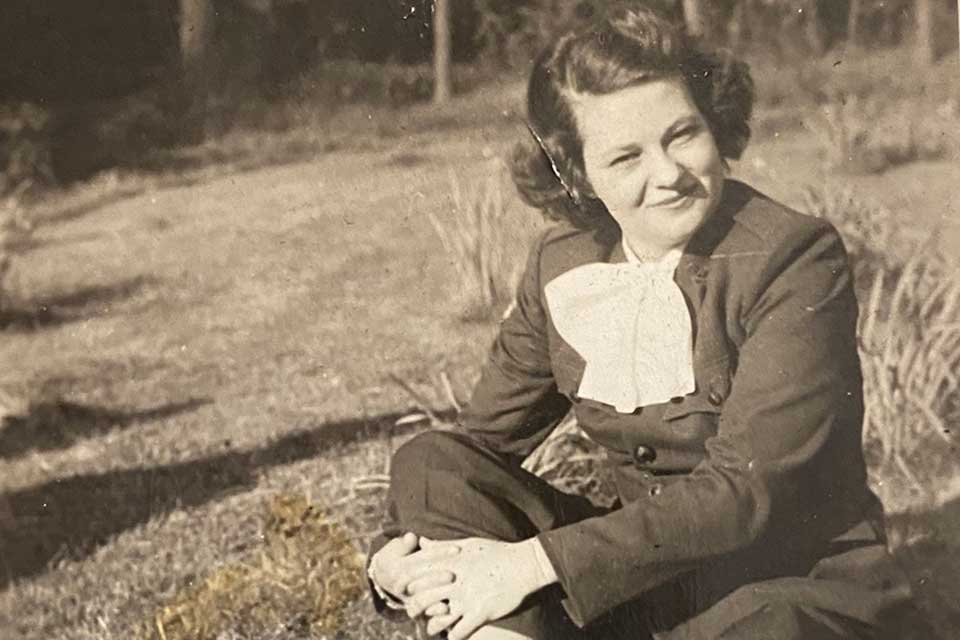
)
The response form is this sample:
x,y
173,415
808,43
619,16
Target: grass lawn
x,y
195,349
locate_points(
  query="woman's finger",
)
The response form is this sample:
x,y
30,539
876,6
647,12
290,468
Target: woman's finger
x,y
468,624
425,562
439,609
437,550
387,565
430,581
427,544
439,624
418,603
399,547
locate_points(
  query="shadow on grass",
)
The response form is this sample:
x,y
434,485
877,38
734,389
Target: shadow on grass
x,y
72,517
59,424
81,210
64,308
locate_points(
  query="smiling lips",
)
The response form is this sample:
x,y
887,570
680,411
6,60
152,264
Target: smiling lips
x,y
674,202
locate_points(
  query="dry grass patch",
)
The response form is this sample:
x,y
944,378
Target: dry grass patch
x,y
302,579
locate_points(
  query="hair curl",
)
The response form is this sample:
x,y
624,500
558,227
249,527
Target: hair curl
x,y
631,45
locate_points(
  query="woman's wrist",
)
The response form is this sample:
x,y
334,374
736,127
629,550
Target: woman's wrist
x,y
546,574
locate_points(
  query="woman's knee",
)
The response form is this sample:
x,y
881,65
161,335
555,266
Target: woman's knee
x,y
430,449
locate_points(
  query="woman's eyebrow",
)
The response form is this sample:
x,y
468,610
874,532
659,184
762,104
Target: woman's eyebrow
x,y
679,124
629,147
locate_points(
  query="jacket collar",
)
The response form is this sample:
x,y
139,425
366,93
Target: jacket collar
x,y
694,267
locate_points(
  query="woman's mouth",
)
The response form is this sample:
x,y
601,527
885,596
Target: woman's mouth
x,y
678,201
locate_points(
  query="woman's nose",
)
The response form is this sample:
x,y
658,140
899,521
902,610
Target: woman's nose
x,y
664,171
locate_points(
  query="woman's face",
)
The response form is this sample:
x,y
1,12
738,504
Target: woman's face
x,y
651,158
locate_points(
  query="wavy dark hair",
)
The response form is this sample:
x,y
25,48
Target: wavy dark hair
x,y
630,45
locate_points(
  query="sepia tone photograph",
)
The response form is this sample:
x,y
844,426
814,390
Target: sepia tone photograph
x,y
479,319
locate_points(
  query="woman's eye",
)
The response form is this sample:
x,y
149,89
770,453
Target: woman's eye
x,y
686,133
627,157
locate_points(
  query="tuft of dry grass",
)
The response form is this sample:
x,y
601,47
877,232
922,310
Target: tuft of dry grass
x,y
571,462
301,580
486,239
910,342
909,337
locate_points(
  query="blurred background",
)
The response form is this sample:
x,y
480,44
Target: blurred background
x,y
249,246
85,87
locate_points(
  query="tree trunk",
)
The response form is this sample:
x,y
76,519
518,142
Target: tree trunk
x,y
442,89
196,31
738,31
853,23
812,25
923,38
695,17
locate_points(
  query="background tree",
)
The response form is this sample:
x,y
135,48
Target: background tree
x,y
196,35
694,13
441,51
853,23
739,29
924,32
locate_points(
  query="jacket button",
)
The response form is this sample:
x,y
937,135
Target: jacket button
x,y
715,398
644,454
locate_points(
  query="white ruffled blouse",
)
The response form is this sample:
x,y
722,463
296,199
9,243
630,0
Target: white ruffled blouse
x,y
630,323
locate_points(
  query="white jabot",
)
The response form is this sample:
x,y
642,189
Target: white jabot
x,y
630,323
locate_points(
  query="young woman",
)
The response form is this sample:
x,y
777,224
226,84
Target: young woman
x,y
704,335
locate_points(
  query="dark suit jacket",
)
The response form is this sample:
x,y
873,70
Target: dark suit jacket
x,y
748,477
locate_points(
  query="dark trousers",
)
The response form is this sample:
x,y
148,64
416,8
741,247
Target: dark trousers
x,y
446,486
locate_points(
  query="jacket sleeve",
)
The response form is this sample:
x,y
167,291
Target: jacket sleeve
x,y
787,448
516,404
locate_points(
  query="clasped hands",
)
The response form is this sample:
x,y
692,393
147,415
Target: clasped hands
x,y
460,585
